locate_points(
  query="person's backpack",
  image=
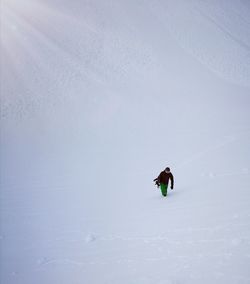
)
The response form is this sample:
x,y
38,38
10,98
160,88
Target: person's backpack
x,y
157,182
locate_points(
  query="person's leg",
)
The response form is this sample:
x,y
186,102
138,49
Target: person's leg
x,y
164,189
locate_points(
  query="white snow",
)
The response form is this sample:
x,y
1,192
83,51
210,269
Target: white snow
x,y
97,97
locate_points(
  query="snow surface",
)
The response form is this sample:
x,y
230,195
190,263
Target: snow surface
x,y
97,97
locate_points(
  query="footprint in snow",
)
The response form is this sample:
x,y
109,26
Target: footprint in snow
x,y
90,238
43,260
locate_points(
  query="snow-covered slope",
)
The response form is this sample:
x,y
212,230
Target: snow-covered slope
x,y
97,97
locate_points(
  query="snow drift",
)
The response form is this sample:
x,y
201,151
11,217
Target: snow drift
x,y
97,97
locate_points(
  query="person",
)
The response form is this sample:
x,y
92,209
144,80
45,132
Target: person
x,y
163,179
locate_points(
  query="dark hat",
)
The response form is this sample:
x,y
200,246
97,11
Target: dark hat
x,y
167,169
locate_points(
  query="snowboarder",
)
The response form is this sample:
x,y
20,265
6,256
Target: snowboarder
x,y
163,179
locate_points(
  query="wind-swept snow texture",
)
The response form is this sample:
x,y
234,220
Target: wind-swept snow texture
x,y
97,97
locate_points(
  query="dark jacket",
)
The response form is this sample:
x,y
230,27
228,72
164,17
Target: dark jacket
x,y
164,178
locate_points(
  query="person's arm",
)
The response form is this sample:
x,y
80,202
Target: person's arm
x,y
158,178
172,181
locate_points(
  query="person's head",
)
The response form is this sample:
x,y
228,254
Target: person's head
x,y
167,170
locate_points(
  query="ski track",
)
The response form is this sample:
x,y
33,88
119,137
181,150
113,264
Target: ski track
x,y
224,61
201,154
